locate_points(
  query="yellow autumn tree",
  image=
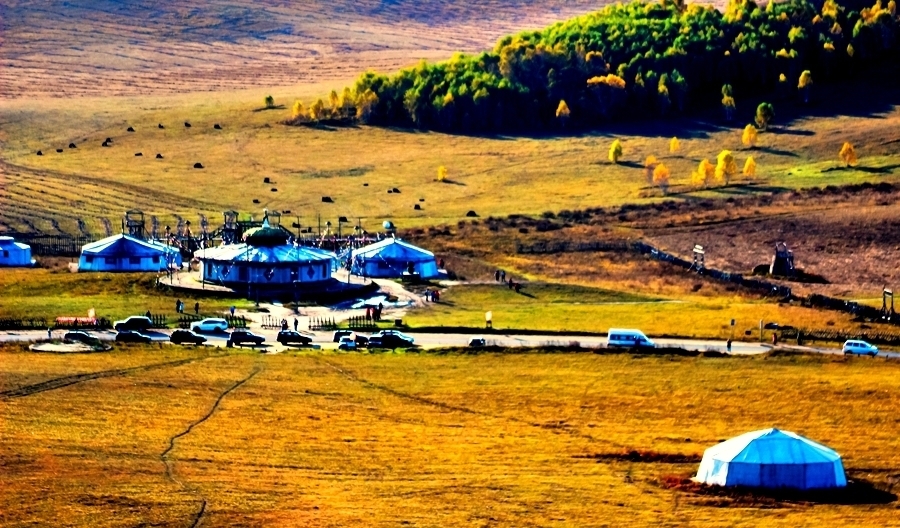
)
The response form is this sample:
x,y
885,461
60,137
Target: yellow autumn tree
x,y
674,145
848,154
335,101
298,111
805,85
317,110
726,167
704,174
615,151
365,105
748,137
441,173
750,167
661,177
649,165
563,113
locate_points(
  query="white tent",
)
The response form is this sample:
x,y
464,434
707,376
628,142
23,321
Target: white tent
x,y
772,459
392,257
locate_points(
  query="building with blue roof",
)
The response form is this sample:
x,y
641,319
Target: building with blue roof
x,y
14,254
267,260
126,253
391,258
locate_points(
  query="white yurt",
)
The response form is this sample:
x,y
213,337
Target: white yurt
x,y
392,257
125,253
265,258
14,254
771,458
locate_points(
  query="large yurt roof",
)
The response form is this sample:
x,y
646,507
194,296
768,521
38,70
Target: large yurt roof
x,y
772,446
286,253
123,245
393,249
8,242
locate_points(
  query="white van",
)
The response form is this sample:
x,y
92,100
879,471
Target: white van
x,y
619,337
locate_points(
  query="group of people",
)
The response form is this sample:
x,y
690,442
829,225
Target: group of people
x,y
179,307
284,324
373,313
500,276
432,295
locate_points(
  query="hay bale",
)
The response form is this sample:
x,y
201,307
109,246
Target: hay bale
x,y
217,126
472,214
138,154
365,185
342,219
417,207
198,165
159,156
255,201
59,150
421,199
160,126
104,144
396,190
72,145
39,153
108,140
327,199
390,191
286,211
266,180
274,189
130,129
187,125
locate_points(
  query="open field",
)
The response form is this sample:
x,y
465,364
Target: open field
x,y
47,294
424,440
108,48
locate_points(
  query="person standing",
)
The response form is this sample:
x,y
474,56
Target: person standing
x,y
296,324
232,310
197,307
502,275
49,333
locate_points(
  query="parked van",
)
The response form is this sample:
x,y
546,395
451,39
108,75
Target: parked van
x,y
618,337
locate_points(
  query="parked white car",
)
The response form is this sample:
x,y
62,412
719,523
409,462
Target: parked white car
x,y
210,325
625,338
860,348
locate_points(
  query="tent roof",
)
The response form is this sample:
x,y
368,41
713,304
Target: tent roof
x,y
123,245
393,249
286,253
771,446
8,242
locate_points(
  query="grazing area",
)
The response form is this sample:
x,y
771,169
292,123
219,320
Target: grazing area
x,y
424,439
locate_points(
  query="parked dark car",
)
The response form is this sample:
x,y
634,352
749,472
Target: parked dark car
x,y
390,341
135,322
132,336
240,337
80,336
290,337
180,337
338,334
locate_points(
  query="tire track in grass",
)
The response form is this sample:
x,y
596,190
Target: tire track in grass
x,y
164,456
65,381
558,427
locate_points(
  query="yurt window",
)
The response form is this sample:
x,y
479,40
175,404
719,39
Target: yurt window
x,y
156,259
89,260
242,274
5,253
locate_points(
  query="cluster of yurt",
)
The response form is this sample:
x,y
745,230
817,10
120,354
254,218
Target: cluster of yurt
x,y
14,254
266,258
392,258
773,459
126,253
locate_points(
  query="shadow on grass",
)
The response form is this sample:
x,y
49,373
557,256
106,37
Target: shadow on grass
x,y
857,491
264,108
888,169
776,152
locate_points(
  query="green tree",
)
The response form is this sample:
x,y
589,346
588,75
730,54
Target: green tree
x,y
269,101
765,112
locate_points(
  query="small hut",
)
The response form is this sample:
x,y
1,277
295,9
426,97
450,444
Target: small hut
x,y
771,458
391,258
14,254
126,253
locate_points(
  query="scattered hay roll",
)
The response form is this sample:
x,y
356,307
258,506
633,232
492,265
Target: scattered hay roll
x,y
59,150
286,211
390,191
138,154
108,140
72,145
274,189
130,129
217,126
104,144
421,199
327,199
365,185
187,125
159,156
266,180
39,153
472,214
417,207
255,201
396,190
160,126
198,165
342,219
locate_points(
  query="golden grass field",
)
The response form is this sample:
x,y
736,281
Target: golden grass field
x,y
422,440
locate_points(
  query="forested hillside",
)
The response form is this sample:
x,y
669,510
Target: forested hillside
x,y
629,61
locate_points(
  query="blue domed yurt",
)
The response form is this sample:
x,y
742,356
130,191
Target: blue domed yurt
x,y
14,254
125,253
771,458
265,259
390,258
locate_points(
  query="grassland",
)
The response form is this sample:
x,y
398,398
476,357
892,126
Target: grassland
x,y
48,294
423,440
